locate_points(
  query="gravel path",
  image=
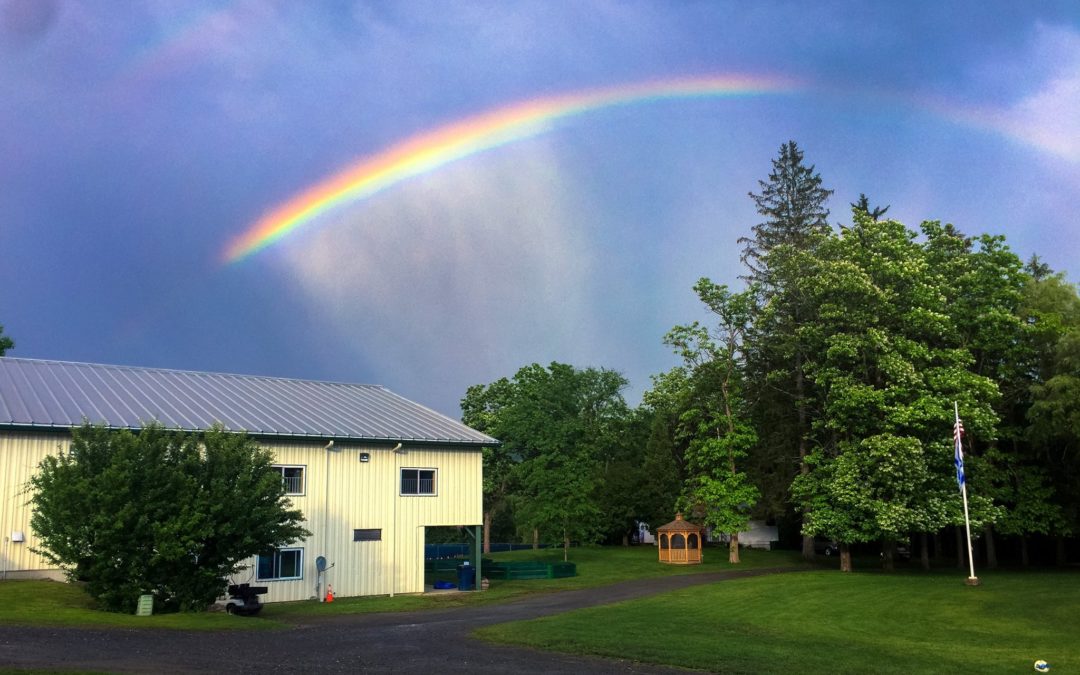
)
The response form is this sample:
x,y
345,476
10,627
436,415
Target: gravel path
x,y
435,641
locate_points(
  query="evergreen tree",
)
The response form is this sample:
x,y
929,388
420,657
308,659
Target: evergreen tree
x,y
793,204
863,205
792,201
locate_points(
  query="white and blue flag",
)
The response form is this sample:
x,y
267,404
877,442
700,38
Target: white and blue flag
x,y
958,435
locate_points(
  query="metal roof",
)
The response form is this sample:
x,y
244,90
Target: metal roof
x,y
57,394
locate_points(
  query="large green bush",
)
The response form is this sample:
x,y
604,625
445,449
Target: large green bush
x,y
159,512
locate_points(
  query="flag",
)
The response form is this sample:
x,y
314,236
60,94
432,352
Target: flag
x,y
958,435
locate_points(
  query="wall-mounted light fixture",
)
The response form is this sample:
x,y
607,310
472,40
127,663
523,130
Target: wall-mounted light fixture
x,y
365,456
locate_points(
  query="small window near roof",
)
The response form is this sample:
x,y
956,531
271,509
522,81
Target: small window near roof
x,y
418,481
292,477
367,535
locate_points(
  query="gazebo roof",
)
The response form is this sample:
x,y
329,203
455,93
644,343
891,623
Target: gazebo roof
x,y
679,525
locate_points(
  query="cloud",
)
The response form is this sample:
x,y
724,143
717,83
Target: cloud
x,y
1047,117
454,277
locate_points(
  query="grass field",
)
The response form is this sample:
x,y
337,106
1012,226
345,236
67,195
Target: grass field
x,y
828,622
819,621
596,566
52,603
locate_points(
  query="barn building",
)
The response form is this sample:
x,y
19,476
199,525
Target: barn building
x,y
369,469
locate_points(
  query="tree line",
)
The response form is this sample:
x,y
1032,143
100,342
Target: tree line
x,y
820,393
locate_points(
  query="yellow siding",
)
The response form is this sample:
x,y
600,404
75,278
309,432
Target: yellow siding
x,y
341,494
20,455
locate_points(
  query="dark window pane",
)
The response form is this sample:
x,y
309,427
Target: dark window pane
x,y
290,564
294,479
266,566
367,535
427,482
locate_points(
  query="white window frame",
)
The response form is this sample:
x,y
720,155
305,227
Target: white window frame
x,y
303,478
277,565
434,482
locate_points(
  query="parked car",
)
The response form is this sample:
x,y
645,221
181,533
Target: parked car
x,y
903,552
824,547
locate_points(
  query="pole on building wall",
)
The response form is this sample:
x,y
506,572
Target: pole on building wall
x,y
478,550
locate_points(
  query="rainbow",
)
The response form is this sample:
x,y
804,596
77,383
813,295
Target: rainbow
x,y
428,151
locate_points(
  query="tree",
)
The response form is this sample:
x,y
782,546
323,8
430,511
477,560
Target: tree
x,y
665,462
793,203
985,282
481,409
887,372
715,414
626,484
6,342
556,425
159,512
863,205
1037,269
1052,308
777,256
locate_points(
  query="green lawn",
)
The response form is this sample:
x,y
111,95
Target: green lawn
x,y
828,622
60,604
596,566
53,603
819,621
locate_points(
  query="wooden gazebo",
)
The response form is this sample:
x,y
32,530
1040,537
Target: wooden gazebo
x,y
680,542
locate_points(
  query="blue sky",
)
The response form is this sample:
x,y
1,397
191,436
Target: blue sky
x,y
138,139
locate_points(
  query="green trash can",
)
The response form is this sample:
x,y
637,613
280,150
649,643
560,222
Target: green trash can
x,y
466,577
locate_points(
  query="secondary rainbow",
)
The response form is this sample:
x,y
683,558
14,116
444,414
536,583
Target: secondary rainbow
x,y
428,151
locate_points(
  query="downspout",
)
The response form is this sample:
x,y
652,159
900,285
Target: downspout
x,y
394,540
325,513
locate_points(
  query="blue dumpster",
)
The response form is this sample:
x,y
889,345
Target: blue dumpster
x,y
466,577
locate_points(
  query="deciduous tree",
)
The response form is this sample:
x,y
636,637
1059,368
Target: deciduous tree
x,y
715,413
6,342
159,512
556,425
887,372
1052,306
481,409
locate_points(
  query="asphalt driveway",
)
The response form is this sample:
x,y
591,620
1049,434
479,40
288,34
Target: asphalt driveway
x,y
434,641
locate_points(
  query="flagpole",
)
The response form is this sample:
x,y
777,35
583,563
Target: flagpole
x,y
972,580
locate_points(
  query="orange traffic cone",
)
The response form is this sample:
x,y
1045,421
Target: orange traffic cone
x,y
329,593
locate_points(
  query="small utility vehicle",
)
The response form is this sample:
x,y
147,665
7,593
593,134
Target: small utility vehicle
x,y
244,599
